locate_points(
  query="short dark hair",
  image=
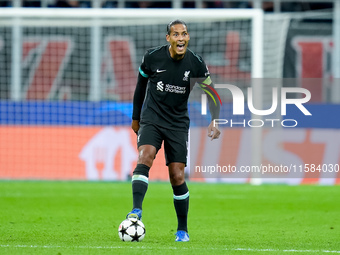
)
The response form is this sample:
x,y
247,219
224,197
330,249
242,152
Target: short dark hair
x,y
175,22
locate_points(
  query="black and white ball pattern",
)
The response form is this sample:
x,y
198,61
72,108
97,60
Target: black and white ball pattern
x,y
131,230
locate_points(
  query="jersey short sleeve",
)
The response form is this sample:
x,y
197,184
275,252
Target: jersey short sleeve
x,y
201,67
203,70
144,68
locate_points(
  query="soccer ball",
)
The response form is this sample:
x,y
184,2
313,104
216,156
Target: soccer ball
x,y
131,230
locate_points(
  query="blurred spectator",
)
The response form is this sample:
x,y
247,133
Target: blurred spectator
x,y
268,6
65,4
188,4
139,4
70,4
148,4
84,4
31,3
213,4
316,6
218,4
110,4
206,4
24,3
291,7
5,4
241,4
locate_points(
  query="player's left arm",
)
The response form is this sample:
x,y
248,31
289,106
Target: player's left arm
x,y
214,100
214,108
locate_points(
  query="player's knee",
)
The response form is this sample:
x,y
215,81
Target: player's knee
x,y
146,157
177,177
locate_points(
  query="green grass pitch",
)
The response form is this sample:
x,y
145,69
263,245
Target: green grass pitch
x,y
83,218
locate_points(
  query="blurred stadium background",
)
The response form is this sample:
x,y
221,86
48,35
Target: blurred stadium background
x,y
67,77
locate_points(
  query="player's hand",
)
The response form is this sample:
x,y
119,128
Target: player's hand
x,y
213,131
135,126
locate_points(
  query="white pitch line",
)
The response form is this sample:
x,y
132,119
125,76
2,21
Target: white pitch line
x,y
277,250
166,248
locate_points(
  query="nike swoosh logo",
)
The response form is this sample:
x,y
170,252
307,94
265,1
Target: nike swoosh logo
x,y
160,71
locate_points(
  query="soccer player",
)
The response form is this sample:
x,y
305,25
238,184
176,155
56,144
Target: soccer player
x,y
165,74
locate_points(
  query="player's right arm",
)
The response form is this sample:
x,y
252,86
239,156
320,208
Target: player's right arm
x,y
138,98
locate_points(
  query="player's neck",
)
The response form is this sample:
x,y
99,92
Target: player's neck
x,y
175,56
